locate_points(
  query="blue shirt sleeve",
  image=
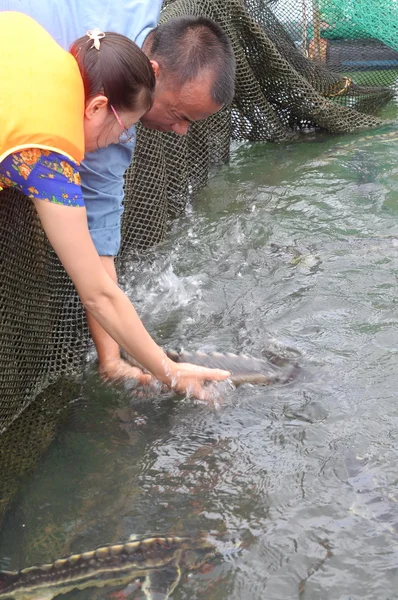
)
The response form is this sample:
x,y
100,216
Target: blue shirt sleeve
x,y
148,15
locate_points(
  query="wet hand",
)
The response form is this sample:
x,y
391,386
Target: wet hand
x,y
120,370
189,379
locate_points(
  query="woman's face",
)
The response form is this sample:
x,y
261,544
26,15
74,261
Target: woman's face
x,y
100,132
104,124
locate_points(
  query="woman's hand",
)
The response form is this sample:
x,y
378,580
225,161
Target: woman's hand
x,y
189,379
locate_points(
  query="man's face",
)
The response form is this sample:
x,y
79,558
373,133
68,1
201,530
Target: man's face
x,y
176,107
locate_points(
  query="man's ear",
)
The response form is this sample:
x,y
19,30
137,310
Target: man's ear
x,y
96,107
156,68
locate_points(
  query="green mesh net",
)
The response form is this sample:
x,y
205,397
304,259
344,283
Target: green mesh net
x,y
345,35
285,85
353,19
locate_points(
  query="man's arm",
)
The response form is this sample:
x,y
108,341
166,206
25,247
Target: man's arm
x,y
111,365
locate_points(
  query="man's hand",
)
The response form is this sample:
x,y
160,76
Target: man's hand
x,y
119,370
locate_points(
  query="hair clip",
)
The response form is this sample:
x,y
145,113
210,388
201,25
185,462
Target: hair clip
x,y
96,35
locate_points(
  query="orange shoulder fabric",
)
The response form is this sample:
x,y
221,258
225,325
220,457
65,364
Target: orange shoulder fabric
x,y
41,91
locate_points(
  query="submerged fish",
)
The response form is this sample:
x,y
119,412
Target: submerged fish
x,y
366,141
160,560
243,369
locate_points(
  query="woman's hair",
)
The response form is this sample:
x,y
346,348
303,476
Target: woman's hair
x,y
118,69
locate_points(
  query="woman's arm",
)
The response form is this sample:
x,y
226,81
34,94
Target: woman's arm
x,y
67,231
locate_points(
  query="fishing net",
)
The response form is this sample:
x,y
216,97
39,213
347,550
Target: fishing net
x,y
284,86
353,19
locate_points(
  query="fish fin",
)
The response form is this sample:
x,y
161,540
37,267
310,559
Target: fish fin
x,y
174,355
160,584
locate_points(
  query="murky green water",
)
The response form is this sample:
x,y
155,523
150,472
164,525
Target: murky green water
x,y
291,245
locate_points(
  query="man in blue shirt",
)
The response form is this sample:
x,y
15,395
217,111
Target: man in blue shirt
x,y
203,83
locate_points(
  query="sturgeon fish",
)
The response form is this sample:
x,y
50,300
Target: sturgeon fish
x,y
365,141
159,560
243,369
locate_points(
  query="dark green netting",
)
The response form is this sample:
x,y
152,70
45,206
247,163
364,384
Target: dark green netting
x,y
279,93
28,436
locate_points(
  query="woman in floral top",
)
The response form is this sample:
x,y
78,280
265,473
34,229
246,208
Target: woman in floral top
x,y
54,106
